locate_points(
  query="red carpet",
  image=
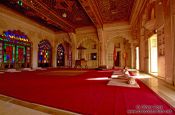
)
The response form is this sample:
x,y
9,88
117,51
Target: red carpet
x,y
77,94
131,73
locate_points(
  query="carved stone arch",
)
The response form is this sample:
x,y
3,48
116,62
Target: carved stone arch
x,y
121,44
67,50
48,40
87,38
125,35
67,39
118,36
63,41
59,42
109,48
90,50
45,53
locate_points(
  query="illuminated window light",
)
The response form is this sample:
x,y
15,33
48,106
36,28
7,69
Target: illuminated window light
x,y
101,78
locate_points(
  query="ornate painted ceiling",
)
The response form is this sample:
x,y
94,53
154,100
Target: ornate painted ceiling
x,y
67,15
115,10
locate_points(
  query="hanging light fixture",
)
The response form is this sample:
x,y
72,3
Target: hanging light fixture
x,y
20,2
64,15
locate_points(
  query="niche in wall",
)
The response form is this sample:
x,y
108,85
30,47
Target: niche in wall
x,y
93,56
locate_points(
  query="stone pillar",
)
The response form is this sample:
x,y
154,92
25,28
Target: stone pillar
x,y
174,43
142,53
35,54
74,48
34,49
54,54
123,50
102,46
99,53
173,35
142,48
169,42
65,59
133,56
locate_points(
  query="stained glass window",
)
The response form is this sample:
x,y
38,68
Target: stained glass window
x,y
16,37
15,47
44,54
1,53
9,50
20,54
60,55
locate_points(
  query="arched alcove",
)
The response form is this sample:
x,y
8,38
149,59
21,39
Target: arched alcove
x,y
89,53
15,49
64,54
60,55
118,52
44,53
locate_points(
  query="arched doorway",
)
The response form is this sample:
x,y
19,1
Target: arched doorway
x,y
15,49
44,54
60,55
117,55
115,49
137,58
88,53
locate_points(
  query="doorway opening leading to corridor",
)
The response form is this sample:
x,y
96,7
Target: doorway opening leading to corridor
x,y
152,47
137,58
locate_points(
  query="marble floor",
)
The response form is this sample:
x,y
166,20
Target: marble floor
x,y
11,106
163,89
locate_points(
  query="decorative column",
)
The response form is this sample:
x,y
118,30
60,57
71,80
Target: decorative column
x,y
74,48
34,54
102,48
169,40
99,53
174,46
54,54
123,53
133,56
173,36
142,48
34,48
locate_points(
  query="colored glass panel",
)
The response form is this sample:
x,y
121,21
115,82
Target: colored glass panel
x,y
15,47
60,55
44,54
20,54
16,37
1,54
9,53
